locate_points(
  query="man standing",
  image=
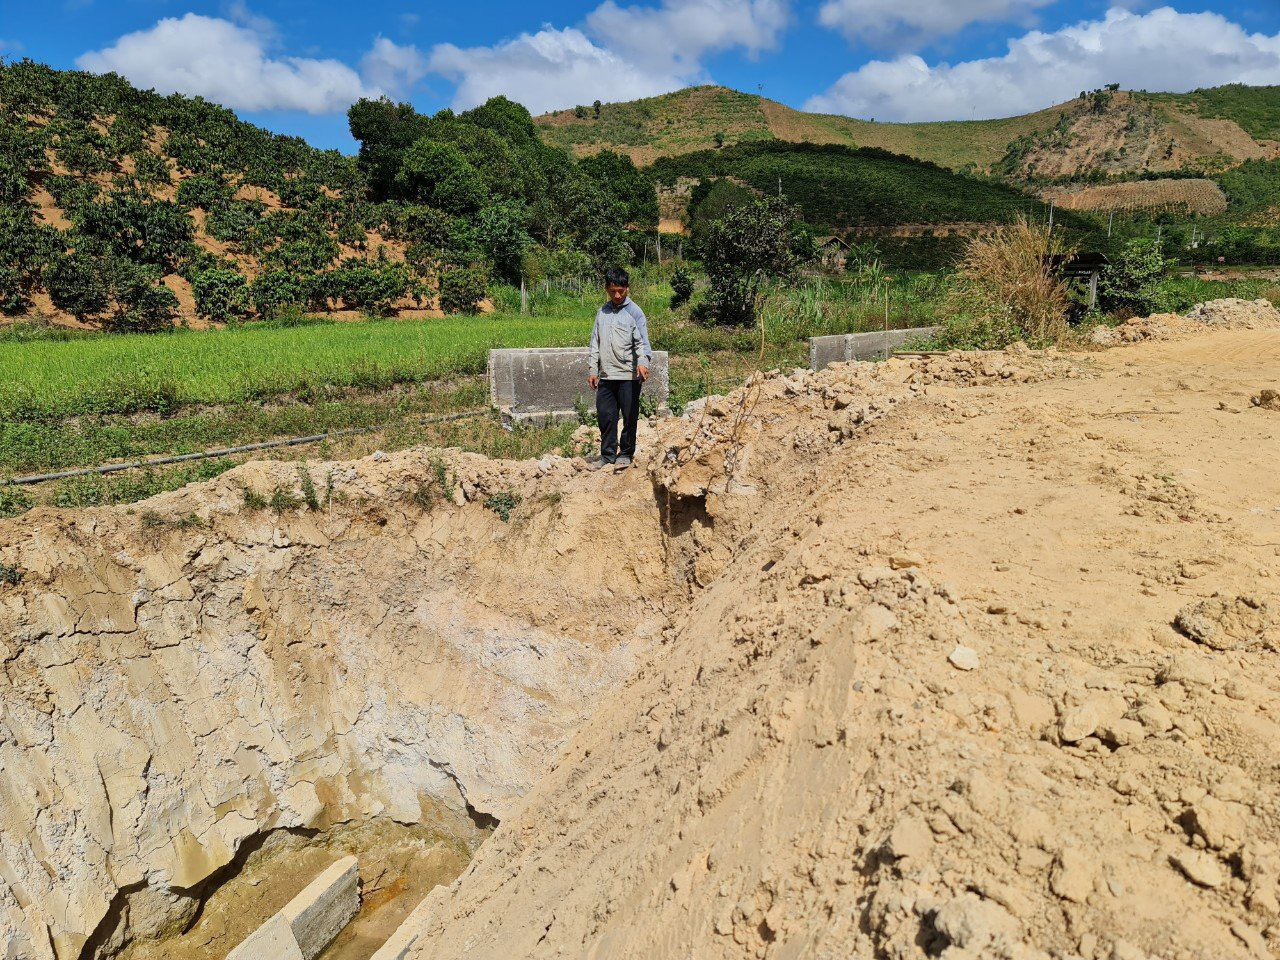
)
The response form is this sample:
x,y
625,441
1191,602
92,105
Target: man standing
x,y
620,360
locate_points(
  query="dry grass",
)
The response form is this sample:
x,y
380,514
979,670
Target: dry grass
x,y
1007,290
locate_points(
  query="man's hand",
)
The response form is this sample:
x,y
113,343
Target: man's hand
x,y
593,381
643,371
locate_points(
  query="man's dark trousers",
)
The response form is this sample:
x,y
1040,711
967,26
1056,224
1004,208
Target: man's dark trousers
x,y
616,398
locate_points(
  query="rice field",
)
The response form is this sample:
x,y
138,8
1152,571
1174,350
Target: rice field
x,y
130,373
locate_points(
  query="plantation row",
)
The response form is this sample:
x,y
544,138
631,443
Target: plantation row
x,y
144,187
837,187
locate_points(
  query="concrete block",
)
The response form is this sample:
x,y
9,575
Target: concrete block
x,y
544,383
824,351
319,912
309,922
274,940
407,934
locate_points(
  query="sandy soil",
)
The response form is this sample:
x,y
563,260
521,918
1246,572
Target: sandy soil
x,y
979,661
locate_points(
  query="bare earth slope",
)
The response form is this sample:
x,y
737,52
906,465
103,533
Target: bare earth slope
x,y
932,701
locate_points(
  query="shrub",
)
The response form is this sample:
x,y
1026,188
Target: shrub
x,y
26,250
153,232
1131,281
752,244
275,292
681,287
221,295
151,168
204,191
235,222
142,303
461,290
1006,289
119,294
374,287
75,284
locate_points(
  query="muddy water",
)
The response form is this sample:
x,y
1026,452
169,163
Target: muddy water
x,y
399,865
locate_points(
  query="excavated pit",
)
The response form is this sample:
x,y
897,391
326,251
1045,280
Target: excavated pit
x,y
196,684
960,656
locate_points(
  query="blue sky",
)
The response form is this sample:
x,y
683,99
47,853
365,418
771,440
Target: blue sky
x,y
294,65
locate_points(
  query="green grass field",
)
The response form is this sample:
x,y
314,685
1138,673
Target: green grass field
x,y
132,373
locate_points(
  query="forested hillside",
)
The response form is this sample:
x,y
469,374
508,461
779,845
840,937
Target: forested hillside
x,y
130,210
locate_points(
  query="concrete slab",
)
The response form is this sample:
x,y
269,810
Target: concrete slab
x,y
544,384
328,903
273,940
407,934
824,351
308,923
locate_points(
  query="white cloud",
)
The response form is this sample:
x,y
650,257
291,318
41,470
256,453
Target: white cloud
x,y
678,34
545,70
391,67
898,21
1160,50
619,53
230,64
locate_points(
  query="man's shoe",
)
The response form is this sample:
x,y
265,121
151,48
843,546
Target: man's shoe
x,y
623,462
597,463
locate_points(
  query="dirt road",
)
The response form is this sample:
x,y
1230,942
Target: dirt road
x,y
930,700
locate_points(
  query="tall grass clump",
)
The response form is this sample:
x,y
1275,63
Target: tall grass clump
x,y
1006,289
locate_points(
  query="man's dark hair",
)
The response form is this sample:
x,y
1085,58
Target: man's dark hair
x,y
616,277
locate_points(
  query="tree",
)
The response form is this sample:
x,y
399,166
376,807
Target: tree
x,y
437,174
596,107
385,131
500,231
753,243
1131,281
617,174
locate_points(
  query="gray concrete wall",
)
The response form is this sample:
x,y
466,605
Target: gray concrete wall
x,y
543,383
824,351
307,924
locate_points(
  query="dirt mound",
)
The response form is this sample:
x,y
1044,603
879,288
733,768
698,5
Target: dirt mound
x,y
1227,314
1233,313
927,699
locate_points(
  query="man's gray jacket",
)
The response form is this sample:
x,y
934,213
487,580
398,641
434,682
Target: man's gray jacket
x,y
619,341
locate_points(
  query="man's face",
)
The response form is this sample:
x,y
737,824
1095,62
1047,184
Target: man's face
x,y
617,293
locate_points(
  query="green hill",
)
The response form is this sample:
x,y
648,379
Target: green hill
x,y
838,188
1101,132
129,210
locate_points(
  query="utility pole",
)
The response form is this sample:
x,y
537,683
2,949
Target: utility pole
x,y
524,297
1111,218
779,188
1052,204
